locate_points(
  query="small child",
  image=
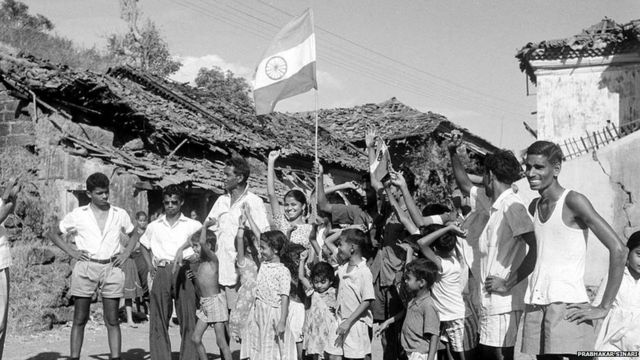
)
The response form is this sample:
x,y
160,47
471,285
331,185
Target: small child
x,y
321,322
272,299
355,295
439,246
419,336
295,319
132,287
620,330
141,264
247,263
213,304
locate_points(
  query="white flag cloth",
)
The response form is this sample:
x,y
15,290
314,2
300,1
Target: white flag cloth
x,y
288,67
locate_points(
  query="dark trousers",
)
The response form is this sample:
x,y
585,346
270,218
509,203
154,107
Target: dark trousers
x,y
143,271
168,286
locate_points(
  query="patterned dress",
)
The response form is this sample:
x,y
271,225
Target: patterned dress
x,y
274,280
321,322
239,324
299,236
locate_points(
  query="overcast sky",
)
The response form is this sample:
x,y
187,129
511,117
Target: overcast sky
x,y
455,58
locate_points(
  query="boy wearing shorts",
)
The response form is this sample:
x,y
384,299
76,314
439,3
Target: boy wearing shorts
x,y
96,229
213,303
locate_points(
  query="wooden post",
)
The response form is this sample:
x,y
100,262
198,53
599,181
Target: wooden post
x,y
586,148
610,135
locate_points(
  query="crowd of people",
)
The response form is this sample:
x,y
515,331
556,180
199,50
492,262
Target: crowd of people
x,y
310,278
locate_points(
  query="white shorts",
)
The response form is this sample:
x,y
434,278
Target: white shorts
x,y
419,356
500,330
356,343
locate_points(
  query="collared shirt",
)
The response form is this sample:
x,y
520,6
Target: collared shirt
x,y
356,286
474,223
500,252
421,318
227,217
82,223
5,247
164,239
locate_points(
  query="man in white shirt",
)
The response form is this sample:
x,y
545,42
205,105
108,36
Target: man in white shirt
x,y
504,246
7,205
160,244
96,229
226,211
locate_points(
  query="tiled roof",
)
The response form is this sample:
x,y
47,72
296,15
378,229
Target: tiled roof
x,y
132,103
393,120
602,39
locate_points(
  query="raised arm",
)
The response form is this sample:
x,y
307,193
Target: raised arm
x,y
252,224
313,240
425,242
398,180
404,219
304,257
584,211
370,142
271,187
9,198
323,204
459,173
211,254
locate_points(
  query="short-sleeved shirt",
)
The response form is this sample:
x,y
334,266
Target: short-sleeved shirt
x,y
356,286
474,223
421,319
501,253
273,281
349,215
447,291
164,239
5,247
227,216
88,236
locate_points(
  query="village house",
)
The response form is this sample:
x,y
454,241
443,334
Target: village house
x,y
588,102
146,132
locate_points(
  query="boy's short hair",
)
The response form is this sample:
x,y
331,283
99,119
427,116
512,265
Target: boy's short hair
x,y
140,214
423,269
412,240
444,243
240,167
97,180
504,165
211,238
359,238
173,189
634,240
435,209
323,271
550,150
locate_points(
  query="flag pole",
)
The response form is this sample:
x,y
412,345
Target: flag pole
x,y
316,116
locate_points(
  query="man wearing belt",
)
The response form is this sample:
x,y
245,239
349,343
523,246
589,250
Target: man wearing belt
x,y
160,243
96,230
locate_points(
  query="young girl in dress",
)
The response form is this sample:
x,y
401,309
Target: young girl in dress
x,y
620,330
321,321
247,262
291,221
271,306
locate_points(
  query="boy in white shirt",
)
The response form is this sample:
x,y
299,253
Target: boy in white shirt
x,y
96,229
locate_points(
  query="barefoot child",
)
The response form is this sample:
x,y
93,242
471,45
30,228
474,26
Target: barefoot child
x,y
321,322
213,304
272,299
247,263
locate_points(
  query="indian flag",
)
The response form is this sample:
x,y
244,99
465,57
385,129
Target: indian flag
x,y
288,67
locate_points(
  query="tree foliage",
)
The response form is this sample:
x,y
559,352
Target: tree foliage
x,y
141,47
16,14
429,161
224,85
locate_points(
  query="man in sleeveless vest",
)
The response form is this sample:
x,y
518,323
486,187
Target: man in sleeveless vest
x,y
558,318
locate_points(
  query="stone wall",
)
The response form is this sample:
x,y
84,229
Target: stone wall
x,y
16,128
580,99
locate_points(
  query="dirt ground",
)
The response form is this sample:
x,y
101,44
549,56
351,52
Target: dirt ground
x,y
54,344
